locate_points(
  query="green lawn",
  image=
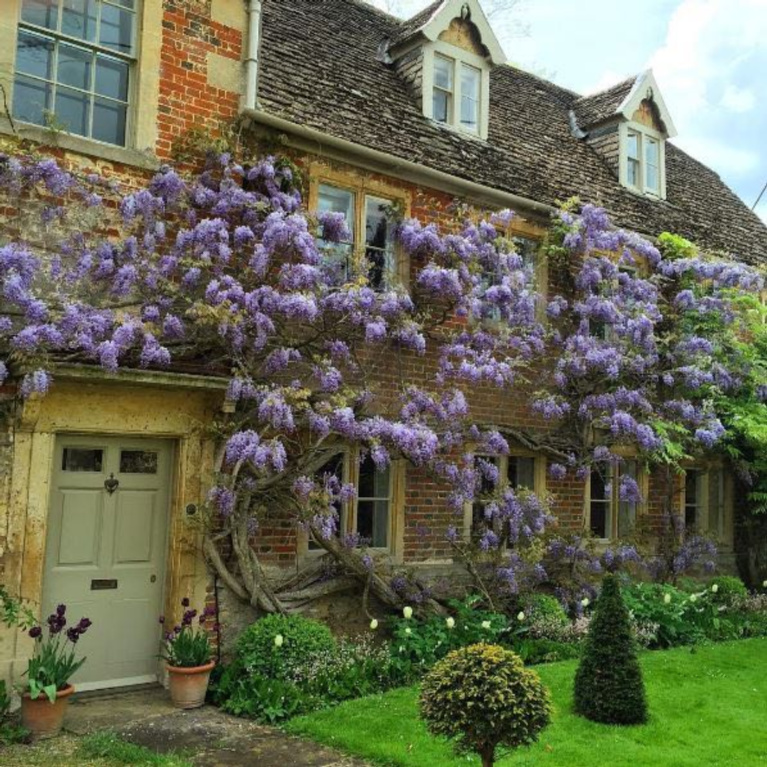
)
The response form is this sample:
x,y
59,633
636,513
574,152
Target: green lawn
x,y
707,707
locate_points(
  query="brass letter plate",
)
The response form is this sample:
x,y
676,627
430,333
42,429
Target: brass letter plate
x,y
103,584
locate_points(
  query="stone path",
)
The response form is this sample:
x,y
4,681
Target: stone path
x,y
209,737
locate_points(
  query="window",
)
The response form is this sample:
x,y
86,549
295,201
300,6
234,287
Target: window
x,y
373,504
609,516
521,472
456,83
370,514
73,65
378,245
643,154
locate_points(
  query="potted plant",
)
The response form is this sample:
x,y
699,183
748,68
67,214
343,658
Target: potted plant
x,y
45,694
188,657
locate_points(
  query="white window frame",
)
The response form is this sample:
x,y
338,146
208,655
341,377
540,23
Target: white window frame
x,y
502,462
643,133
614,502
458,56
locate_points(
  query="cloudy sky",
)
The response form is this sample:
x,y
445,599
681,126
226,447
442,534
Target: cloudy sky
x,y
709,57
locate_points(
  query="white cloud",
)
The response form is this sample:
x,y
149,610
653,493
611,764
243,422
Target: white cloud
x,y
710,47
738,100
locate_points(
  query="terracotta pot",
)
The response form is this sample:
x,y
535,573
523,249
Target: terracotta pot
x,y
189,685
43,718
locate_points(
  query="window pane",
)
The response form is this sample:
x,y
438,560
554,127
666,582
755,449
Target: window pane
x,y
632,175
116,29
373,522
34,55
82,459
31,98
443,73
373,483
632,146
334,467
335,200
652,179
441,106
138,462
600,502
693,498
470,80
522,472
651,151
378,241
627,510
109,121
74,67
78,19
111,78
528,249
43,13
72,110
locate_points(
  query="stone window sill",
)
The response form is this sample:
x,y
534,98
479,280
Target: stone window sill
x,y
79,145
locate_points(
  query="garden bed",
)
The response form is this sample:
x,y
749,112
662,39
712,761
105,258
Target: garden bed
x,y
707,707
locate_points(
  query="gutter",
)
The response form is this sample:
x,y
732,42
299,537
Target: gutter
x,y
391,165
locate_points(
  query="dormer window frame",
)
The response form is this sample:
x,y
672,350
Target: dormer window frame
x,y
645,135
459,58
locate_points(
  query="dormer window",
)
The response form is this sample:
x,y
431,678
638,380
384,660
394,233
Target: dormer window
x,y
642,159
446,53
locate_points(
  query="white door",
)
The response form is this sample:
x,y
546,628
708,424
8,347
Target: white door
x,y
105,554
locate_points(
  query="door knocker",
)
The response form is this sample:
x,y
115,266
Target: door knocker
x,y
111,484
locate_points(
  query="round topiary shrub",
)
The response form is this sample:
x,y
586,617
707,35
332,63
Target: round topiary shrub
x,y
608,683
483,698
274,645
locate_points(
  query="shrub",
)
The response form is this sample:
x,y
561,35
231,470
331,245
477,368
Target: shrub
x,y
608,684
275,645
547,619
728,588
533,651
483,698
661,615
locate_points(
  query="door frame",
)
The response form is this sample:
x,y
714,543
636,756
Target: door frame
x,y
156,406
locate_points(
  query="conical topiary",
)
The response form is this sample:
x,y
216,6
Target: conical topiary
x,y
608,683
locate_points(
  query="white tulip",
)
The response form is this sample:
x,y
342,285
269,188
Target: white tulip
x,y
667,598
693,598
715,588
585,602
278,640
450,623
521,616
485,624
407,612
764,584
373,624
408,632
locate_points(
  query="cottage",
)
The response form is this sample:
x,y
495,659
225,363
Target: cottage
x,y
102,480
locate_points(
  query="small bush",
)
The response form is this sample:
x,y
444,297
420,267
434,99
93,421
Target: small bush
x,y
547,619
534,651
661,615
608,684
301,640
483,698
728,588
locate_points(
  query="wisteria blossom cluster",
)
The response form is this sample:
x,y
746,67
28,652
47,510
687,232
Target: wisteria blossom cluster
x,y
228,271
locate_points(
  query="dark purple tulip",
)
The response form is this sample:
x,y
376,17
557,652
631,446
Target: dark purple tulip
x,y
162,620
61,610
35,632
73,634
84,625
185,602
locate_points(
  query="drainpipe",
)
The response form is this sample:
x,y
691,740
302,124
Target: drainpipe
x,y
251,62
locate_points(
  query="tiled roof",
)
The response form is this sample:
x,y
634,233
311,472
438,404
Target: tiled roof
x,y
319,69
597,107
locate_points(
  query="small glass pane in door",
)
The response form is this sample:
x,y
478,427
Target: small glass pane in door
x,y
138,462
82,459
